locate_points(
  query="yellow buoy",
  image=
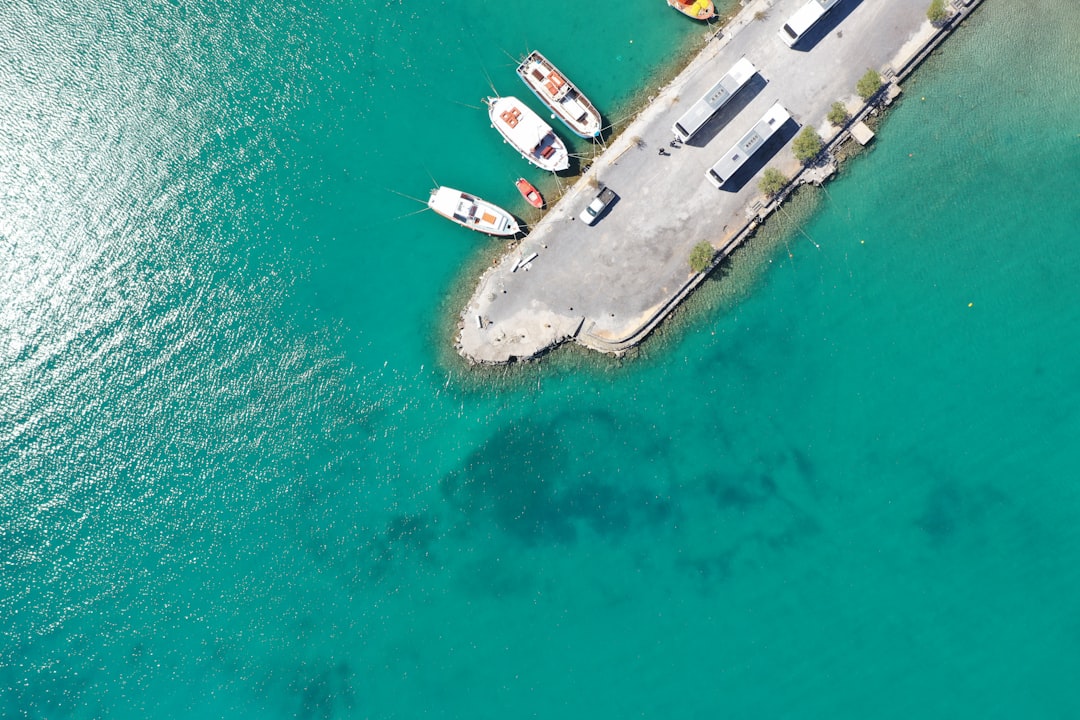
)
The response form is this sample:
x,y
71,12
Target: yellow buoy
x,y
971,304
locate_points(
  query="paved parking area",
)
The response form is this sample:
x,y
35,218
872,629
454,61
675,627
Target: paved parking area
x,y
606,281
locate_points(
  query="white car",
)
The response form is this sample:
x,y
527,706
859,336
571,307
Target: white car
x,y
604,198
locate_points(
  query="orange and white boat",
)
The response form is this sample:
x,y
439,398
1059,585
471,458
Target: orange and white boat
x,y
472,212
530,193
556,91
530,136
697,9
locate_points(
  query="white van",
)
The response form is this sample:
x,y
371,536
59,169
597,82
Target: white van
x,y
805,18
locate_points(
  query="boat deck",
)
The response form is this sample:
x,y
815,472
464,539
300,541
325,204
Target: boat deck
x,y
560,95
528,133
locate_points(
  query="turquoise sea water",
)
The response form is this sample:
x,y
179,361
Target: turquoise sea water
x,y
243,475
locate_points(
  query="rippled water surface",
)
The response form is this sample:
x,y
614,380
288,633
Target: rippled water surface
x,y
241,474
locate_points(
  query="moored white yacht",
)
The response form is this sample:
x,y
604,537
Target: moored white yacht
x,y
530,136
472,212
560,95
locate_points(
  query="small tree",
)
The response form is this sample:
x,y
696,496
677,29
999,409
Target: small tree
x,y
807,144
772,182
868,84
937,13
701,256
838,114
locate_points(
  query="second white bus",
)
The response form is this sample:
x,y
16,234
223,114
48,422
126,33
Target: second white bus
x,y
751,142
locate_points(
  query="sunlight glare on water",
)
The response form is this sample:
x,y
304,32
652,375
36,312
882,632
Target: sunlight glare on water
x,y
243,474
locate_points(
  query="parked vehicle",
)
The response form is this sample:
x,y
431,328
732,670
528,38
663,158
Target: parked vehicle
x,y
710,103
773,119
592,212
805,18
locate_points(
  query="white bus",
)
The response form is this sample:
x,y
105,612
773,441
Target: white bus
x,y
751,142
805,18
695,118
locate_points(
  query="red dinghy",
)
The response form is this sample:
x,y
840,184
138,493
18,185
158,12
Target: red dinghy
x,y
530,193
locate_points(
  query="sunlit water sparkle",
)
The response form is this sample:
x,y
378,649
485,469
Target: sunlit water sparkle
x,y
241,473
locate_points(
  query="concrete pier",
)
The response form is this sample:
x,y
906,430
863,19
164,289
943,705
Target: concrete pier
x,y
607,286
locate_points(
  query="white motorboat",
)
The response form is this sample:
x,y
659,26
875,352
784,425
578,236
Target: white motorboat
x,y
472,212
560,95
530,136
